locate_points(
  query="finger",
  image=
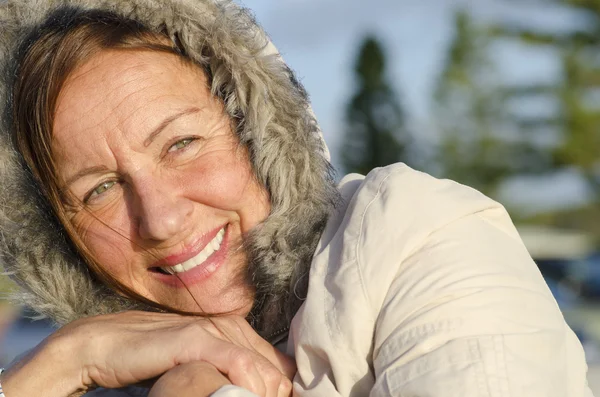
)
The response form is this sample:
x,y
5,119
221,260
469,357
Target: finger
x,y
285,364
282,362
277,382
271,376
194,379
285,388
237,363
242,371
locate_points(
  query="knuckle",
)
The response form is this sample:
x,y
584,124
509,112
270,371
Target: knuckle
x,y
242,360
272,377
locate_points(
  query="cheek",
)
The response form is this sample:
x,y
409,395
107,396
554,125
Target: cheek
x,y
109,221
106,240
225,183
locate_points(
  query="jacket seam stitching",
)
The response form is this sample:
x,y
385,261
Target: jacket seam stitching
x,y
501,366
482,384
357,248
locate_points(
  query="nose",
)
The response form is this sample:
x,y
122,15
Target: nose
x,y
160,210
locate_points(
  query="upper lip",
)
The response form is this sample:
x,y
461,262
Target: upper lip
x,y
189,251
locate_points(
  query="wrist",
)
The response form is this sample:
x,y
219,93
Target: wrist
x,y
49,370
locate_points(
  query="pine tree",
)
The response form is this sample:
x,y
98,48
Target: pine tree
x,y
375,135
578,117
476,146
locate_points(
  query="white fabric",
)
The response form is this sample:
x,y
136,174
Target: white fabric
x,y
233,391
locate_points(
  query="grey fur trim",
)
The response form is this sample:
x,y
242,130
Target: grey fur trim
x,y
287,153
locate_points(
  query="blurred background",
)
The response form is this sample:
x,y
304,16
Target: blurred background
x,y
501,95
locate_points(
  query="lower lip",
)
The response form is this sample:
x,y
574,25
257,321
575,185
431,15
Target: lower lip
x,y
199,273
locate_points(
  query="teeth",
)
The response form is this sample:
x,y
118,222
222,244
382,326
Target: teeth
x,y
210,248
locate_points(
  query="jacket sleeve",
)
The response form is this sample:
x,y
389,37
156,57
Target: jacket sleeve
x,y
481,320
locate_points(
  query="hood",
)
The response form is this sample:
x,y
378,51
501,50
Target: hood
x,y
287,153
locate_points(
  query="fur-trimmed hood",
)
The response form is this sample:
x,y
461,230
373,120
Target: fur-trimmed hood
x,y
286,147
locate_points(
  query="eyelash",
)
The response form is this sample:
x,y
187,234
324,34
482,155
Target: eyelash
x,y
173,148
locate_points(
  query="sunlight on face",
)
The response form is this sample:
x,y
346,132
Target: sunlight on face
x,y
166,191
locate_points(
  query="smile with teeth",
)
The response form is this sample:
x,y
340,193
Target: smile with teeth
x,y
210,248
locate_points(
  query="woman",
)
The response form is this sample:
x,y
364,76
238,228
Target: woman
x,y
159,156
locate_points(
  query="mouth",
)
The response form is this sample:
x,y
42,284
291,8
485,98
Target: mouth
x,y
211,247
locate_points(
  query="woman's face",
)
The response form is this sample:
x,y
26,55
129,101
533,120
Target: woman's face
x,y
167,192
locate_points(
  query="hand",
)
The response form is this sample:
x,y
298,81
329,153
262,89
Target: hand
x,y
122,349
201,379
195,379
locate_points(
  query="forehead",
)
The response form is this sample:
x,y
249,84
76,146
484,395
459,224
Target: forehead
x,y
126,90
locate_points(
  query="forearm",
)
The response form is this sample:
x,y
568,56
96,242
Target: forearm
x,y
50,370
119,350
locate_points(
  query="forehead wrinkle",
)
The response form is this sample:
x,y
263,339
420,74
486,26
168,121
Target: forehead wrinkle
x,y
84,70
74,129
80,72
96,62
116,125
128,96
133,112
105,98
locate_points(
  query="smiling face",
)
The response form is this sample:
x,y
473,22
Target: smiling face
x,y
166,191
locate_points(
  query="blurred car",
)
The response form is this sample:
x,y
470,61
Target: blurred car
x,y
570,264
561,255
590,286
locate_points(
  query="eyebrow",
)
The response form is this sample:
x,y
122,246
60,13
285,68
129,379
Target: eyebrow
x,y
98,169
148,141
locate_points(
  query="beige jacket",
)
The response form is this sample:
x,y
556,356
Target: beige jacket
x,y
422,288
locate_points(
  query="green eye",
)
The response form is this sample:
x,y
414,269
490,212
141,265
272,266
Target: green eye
x,y
102,188
181,144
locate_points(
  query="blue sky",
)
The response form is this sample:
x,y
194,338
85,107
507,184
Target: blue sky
x,y
319,39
